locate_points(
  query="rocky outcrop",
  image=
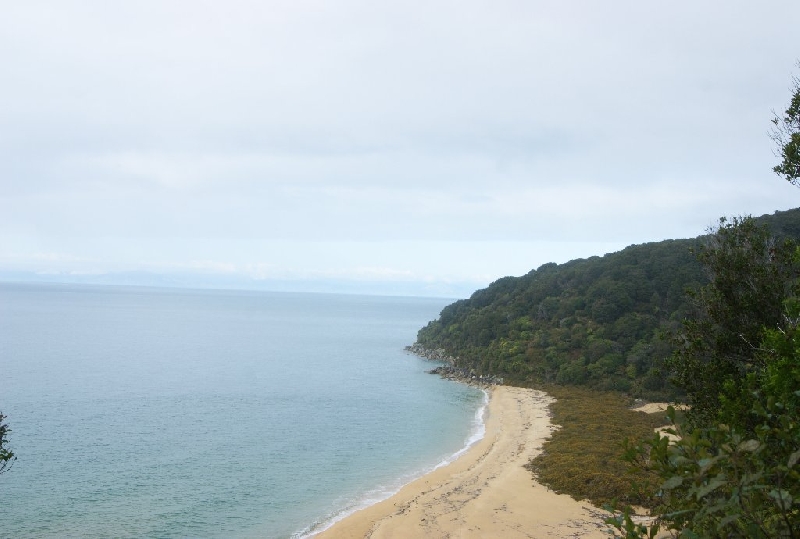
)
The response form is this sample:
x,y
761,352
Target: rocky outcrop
x,y
450,371
466,376
437,354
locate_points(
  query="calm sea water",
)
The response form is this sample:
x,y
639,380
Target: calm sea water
x,y
176,413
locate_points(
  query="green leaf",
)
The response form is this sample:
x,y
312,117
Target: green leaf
x,y
673,482
749,445
706,463
782,498
793,458
712,485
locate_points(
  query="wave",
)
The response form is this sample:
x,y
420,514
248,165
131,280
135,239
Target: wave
x,y
384,492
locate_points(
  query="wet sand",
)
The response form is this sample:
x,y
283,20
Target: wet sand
x,y
485,493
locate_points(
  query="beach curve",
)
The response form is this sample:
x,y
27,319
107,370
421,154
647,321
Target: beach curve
x,y
486,492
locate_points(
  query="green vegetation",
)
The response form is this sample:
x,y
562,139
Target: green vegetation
x,y
751,273
730,347
734,472
603,322
582,457
596,322
733,351
6,456
787,135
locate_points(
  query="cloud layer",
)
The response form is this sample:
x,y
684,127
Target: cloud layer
x,y
175,133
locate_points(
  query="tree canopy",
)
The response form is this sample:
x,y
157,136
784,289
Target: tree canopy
x,y
750,274
602,322
733,472
787,136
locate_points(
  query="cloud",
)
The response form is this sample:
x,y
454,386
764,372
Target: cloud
x,y
127,127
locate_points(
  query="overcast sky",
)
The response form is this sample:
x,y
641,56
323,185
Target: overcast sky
x,y
445,143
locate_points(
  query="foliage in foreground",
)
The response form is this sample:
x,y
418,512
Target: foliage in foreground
x,y
582,457
715,482
6,455
734,472
750,273
787,136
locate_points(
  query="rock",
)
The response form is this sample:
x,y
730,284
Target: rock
x,y
450,371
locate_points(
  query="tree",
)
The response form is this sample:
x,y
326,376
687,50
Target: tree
x,y
717,483
734,470
786,134
750,273
6,456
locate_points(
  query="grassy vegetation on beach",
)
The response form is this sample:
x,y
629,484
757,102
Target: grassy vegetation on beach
x,y
583,457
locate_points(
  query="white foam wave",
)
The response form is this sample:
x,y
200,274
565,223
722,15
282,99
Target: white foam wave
x,y
383,492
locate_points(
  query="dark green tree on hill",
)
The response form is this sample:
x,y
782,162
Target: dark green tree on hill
x,y
603,322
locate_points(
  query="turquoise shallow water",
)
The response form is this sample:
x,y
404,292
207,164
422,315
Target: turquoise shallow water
x,y
180,413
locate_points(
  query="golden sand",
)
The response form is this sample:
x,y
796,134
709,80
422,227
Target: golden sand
x,y
486,493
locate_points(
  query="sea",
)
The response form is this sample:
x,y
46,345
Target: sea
x,y
153,412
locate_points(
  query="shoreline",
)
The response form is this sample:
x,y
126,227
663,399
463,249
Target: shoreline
x,y
376,496
484,491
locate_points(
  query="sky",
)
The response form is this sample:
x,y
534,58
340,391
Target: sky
x,y
424,148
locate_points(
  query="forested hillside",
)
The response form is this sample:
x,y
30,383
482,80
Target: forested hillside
x,y
602,322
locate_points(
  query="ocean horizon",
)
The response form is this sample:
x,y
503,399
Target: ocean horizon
x,y
205,413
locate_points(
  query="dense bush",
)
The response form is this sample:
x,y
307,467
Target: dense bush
x,y
602,322
734,471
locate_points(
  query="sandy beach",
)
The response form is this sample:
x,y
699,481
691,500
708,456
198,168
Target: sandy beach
x,y
486,493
